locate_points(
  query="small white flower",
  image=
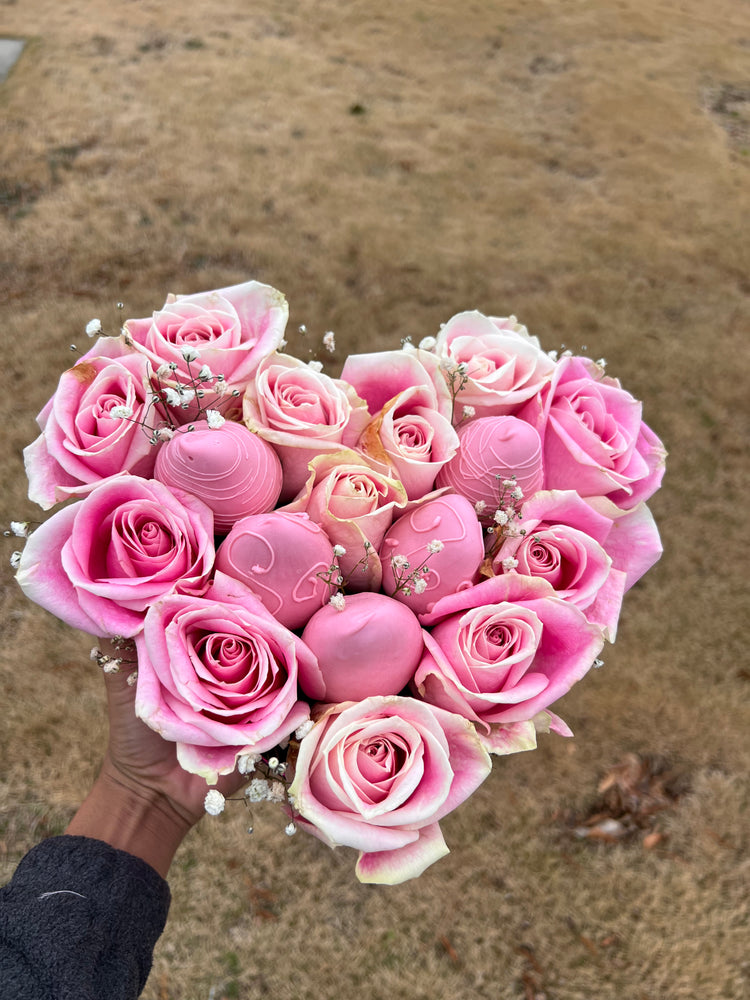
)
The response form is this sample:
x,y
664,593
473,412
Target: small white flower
x,y
214,802
468,412
509,483
257,790
509,564
399,562
317,366
164,434
301,731
132,678
186,394
602,362
20,529
435,546
277,792
246,762
290,829
329,341
93,328
552,355
500,517
205,374
110,666
164,371
189,353
171,397
121,412
95,653
517,493
339,550
480,506
420,586
273,763
427,343
15,560
338,602
214,419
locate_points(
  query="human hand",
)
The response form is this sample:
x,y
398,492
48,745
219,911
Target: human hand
x,y
142,801
140,758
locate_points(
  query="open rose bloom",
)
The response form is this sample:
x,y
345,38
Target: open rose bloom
x,y
379,774
374,586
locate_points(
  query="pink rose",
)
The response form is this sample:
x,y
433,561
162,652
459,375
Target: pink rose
x,y
232,330
99,564
218,676
590,551
355,505
380,377
301,412
503,365
412,439
501,652
379,774
594,439
83,441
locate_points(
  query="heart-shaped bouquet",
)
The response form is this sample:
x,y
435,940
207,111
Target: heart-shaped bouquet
x,y
355,589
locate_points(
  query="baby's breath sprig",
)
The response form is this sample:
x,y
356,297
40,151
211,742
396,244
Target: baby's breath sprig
x,y
113,664
456,377
336,579
168,390
182,393
269,779
410,580
506,515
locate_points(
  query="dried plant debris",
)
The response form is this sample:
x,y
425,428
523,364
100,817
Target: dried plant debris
x,y
630,797
729,105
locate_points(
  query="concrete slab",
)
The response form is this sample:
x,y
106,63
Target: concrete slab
x,y
10,50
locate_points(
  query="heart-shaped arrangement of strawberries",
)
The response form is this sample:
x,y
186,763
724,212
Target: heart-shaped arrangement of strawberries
x,y
356,589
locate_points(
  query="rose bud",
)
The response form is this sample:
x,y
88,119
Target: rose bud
x,y
280,557
371,647
449,526
493,449
231,469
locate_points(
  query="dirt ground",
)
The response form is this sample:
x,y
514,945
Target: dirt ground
x,y
584,165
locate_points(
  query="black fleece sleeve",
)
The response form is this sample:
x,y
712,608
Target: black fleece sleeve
x,y
79,921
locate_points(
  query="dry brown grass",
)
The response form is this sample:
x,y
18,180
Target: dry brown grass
x,y
583,164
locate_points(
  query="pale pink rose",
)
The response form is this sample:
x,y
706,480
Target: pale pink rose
x,y
503,365
412,439
589,550
232,329
502,652
302,413
217,675
355,505
594,439
381,376
379,774
99,564
82,443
